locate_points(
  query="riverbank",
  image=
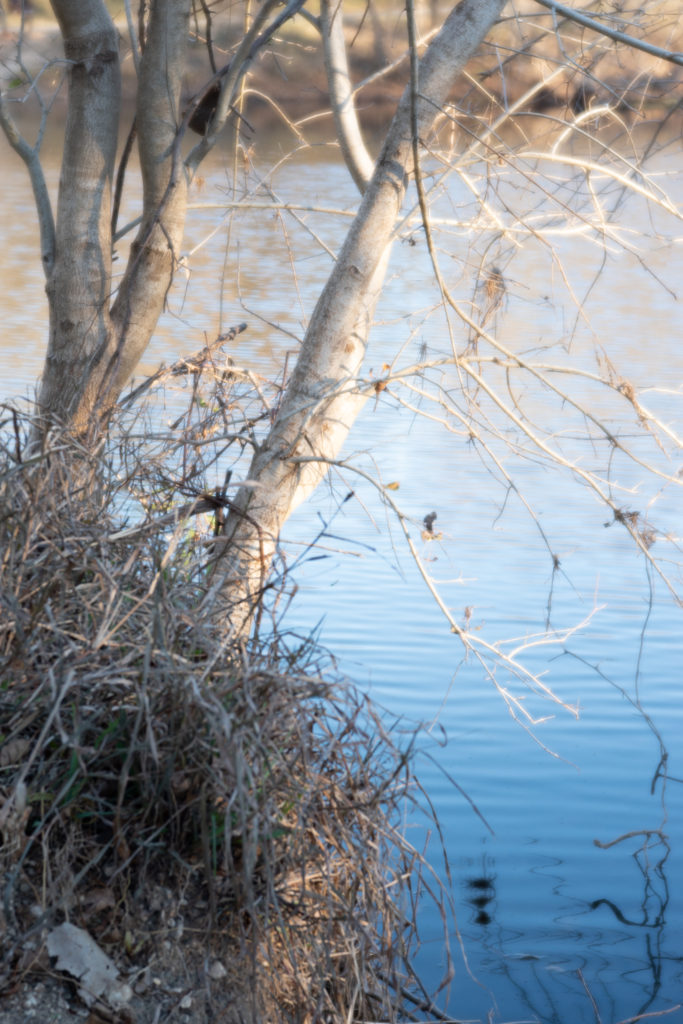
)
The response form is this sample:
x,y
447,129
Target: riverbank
x,y
286,84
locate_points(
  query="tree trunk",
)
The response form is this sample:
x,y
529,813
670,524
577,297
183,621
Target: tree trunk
x,y
79,285
323,398
93,346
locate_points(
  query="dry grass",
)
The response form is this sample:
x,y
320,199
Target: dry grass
x,y
140,752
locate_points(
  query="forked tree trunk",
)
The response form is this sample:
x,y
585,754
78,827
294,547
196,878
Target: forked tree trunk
x,y
79,285
94,345
323,399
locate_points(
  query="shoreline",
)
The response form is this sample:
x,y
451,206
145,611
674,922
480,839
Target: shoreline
x,y
287,84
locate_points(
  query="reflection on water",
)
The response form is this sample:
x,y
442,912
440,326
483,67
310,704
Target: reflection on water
x,y
651,859
558,921
563,987
481,897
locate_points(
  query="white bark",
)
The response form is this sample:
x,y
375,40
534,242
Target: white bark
x,y
358,160
95,345
322,400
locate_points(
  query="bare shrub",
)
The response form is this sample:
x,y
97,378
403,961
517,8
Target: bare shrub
x,y
142,748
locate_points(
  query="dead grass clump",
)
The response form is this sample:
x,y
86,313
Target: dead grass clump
x,y
141,753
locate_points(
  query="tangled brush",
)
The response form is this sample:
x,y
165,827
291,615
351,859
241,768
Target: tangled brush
x,y
142,750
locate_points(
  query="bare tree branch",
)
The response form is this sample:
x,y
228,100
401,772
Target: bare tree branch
x,y
29,154
358,160
611,33
229,77
134,44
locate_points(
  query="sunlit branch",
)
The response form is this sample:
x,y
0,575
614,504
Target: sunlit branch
x,y
358,160
588,166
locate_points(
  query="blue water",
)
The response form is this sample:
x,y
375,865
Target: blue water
x,y
553,907
548,926
567,931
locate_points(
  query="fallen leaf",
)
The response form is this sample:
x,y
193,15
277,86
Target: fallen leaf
x,y
79,955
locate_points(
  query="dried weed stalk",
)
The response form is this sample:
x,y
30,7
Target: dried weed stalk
x,y
142,752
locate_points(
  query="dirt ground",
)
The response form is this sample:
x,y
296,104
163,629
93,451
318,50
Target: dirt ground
x,y
166,971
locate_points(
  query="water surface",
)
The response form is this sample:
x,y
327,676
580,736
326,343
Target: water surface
x,y
552,925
